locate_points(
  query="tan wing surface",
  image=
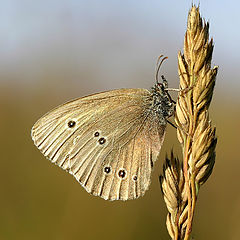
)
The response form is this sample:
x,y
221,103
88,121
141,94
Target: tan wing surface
x,y
108,141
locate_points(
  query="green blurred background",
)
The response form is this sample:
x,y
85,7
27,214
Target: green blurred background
x,y
54,51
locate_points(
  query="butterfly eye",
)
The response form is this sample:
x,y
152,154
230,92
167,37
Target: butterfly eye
x,y
71,124
122,173
135,178
102,140
96,134
107,170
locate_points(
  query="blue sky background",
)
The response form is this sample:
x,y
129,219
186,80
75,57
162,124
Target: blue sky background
x,y
111,43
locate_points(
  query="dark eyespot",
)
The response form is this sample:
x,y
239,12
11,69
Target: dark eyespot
x,y
135,178
102,140
71,124
122,173
107,170
96,134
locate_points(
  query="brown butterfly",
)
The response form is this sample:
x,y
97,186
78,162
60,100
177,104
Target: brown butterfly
x,y
108,141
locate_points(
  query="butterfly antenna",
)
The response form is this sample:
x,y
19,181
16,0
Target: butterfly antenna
x,y
159,63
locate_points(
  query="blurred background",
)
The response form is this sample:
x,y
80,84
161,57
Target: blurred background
x,y
57,50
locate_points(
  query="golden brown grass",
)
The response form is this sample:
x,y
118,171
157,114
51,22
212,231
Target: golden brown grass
x,y
181,180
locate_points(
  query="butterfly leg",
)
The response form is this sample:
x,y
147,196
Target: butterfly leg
x,y
172,124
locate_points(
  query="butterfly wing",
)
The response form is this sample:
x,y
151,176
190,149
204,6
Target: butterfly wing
x,y
109,141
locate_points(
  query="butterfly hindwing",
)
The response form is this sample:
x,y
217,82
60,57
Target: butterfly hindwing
x,y
108,141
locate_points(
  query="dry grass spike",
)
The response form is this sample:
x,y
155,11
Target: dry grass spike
x,y
195,133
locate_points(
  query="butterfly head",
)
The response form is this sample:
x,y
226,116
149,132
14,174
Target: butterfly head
x,y
162,86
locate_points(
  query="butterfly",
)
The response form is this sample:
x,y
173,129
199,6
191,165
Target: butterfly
x,y
108,141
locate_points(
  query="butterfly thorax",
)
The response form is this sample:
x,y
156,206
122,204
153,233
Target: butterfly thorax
x,y
161,103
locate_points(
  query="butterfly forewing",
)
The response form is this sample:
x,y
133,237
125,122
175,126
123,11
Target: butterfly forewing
x,y
108,141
